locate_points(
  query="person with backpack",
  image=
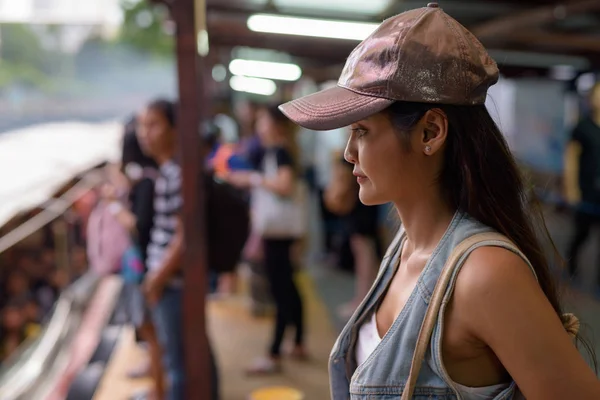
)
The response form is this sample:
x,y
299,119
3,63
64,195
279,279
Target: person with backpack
x,y
127,204
465,305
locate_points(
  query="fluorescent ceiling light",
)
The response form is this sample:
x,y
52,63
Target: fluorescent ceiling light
x,y
265,69
586,82
264,87
371,7
563,72
219,73
310,27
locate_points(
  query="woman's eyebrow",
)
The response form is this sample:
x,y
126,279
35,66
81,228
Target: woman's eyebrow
x,y
357,125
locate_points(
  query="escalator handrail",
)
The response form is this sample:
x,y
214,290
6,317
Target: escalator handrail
x,y
48,345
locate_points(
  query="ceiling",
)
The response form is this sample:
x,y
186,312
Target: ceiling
x,y
509,28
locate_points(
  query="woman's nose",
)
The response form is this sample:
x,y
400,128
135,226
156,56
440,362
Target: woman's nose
x,y
349,154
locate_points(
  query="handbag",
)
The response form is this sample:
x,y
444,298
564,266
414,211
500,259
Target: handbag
x,y
570,322
275,216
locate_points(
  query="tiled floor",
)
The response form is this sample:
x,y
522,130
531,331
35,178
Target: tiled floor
x,y
238,338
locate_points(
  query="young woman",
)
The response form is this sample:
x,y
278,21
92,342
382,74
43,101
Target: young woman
x,y
137,175
275,136
414,93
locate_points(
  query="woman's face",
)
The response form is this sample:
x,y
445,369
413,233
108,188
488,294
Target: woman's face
x,y
266,128
386,169
154,132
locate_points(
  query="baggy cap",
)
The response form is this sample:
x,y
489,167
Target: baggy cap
x,y
421,55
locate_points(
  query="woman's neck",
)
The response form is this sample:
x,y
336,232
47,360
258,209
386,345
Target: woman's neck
x,y
425,221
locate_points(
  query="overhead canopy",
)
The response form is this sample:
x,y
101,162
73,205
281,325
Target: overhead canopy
x,y
36,162
566,29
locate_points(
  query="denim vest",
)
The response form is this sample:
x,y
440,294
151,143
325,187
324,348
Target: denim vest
x,y
383,375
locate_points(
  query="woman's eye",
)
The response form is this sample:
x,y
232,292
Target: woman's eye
x,y
359,132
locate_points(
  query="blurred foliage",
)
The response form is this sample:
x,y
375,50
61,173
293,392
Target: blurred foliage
x,y
146,27
31,60
143,40
22,58
20,45
25,63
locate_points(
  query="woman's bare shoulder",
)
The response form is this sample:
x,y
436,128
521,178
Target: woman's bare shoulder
x,y
495,267
499,302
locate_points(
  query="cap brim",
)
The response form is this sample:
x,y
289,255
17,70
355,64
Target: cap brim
x,y
333,108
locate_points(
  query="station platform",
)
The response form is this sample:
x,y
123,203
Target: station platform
x,y
238,338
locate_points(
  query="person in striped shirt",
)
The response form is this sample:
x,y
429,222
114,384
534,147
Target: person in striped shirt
x,y
163,284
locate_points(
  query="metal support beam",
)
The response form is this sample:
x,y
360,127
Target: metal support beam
x,y
572,42
498,28
189,19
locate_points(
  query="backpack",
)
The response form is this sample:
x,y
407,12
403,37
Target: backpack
x,y
227,224
110,246
107,240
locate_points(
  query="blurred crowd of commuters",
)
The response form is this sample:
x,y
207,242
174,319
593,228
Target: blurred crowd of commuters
x,y
32,277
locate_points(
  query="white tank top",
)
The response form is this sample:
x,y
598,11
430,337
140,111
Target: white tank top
x,y
368,340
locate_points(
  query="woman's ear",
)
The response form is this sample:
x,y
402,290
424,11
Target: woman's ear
x,y
435,131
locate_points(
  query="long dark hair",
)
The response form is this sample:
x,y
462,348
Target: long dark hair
x,y
167,107
481,178
132,151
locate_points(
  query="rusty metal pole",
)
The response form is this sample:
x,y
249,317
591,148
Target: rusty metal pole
x,y
189,19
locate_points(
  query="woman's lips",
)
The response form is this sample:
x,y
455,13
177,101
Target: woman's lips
x,y
360,178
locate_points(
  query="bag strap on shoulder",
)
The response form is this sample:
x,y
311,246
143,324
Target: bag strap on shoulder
x,y
436,301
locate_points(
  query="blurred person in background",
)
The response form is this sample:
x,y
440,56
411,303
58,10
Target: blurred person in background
x,y
582,179
221,158
361,224
226,152
19,322
17,283
12,330
241,151
276,136
78,262
32,312
328,147
136,178
249,143
163,284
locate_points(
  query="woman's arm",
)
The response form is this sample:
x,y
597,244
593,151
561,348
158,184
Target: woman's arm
x,y
501,304
282,184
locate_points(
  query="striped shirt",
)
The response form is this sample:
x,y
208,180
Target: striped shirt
x,y
167,206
